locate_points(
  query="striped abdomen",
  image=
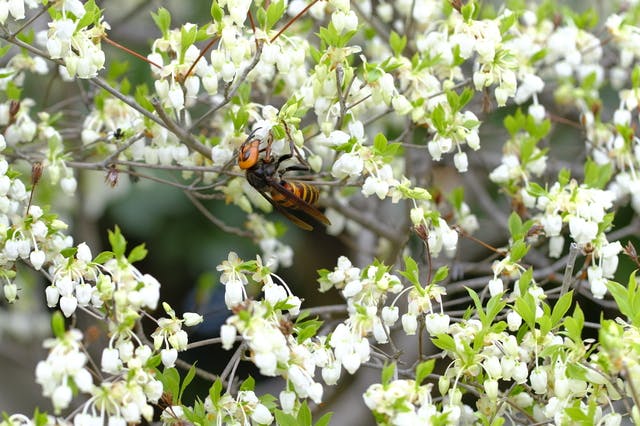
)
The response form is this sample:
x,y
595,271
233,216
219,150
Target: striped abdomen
x,y
304,191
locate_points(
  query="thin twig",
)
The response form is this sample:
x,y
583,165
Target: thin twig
x,y
220,224
130,52
568,272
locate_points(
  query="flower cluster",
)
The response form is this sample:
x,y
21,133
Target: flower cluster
x,y
405,402
264,327
229,409
64,369
170,336
76,40
129,395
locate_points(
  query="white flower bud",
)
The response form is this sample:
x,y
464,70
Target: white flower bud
x,y
83,293
179,340
228,336
514,320
83,380
538,380
52,296
352,288
131,412
538,112
437,323
261,414
192,318
61,397
169,357
287,401
461,161
331,373
491,389
409,324
390,315
84,253
520,373
10,292
417,215
68,305
68,185
234,292
37,258
496,286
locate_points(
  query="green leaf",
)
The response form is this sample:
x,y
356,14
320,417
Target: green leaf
x,y
186,381
468,11
524,280
117,241
284,419
515,226
188,37
507,22
142,97
536,190
304,415
40,419
456,197
138,253
102,257
438,118
635,77
411,271
627,299
170,379
274,13
511,124
441,274
163,20
153,361
525,306
13,92
57,324
248,384
563,176
307,329
388,372
216,11
69,252
445,342
518,250
561,307
596,175
423,370
91,15
4,50
576,371
324,420
495,305
573,325
397,43
214,392
452,100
